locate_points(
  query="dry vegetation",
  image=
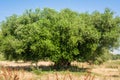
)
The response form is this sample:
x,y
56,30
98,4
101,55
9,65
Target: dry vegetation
x,y
15,74
79,71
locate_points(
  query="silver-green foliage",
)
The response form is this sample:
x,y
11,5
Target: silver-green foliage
x,y
62,36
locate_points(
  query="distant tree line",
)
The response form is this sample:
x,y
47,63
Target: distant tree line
x,y
115,56
60,36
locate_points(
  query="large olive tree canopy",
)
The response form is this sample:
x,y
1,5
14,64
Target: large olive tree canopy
x,y
61,37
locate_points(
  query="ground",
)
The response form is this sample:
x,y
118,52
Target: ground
x,y
78,71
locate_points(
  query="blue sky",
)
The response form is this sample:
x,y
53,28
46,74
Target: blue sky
x,y
9,7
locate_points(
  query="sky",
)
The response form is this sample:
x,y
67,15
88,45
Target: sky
x,y
10,7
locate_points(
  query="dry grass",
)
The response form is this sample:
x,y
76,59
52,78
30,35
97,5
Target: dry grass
x,y
14,74
66,76
106,71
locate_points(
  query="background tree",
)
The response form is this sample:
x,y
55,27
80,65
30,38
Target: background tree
x,y
115,56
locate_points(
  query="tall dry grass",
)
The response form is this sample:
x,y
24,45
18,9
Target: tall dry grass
x,y
107,71
14,74
67,76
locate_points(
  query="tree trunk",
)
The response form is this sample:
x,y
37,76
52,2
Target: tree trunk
x,y
62,64
36,64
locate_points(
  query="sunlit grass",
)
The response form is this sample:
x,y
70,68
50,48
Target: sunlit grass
x,y
78,71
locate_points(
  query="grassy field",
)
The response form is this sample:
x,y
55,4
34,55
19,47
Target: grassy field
x,y
78,71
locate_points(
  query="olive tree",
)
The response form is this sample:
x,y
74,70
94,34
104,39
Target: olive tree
x,y
61,37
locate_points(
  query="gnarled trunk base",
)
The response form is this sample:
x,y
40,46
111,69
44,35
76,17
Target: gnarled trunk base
x,y
62,65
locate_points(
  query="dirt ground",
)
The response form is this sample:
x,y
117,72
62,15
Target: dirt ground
x,y
100,72
21,63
